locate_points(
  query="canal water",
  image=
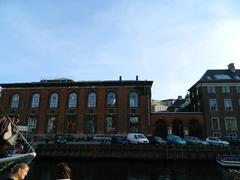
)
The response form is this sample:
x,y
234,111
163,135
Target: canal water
x,y
127,170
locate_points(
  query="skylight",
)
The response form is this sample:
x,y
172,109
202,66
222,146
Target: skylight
x,y
209,78
222,76
236,77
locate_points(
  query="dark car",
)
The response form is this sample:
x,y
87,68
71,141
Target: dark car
x,y
71,138
231,140
156,140
60,139
119,140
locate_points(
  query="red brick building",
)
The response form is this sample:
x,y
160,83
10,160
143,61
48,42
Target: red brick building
x,y
90,107
178,123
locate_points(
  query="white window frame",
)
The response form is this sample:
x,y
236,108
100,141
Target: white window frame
x,y
235,124
228,105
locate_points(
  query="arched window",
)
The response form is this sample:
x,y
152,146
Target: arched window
x,y
111,99
92,100
133,99
35,100
15,101
54,100
72,100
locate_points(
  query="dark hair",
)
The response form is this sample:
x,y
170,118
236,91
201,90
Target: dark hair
x,y
62,171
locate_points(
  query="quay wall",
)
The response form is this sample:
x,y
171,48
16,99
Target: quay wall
x,y
137,152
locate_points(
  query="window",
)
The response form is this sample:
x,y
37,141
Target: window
x,y
51,127
216,134
230,124
133,100
215,124
222,76
228,104
211,89
238,89
109,124
35,100
92,100
225,89
71,124
213,104
236,77
133,124
15,101
90,127
32,124
233,135
54,100
111,99
72,100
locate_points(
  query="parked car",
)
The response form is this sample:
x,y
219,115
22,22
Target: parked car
x,y
101,138
173,139
156,140
137,138
71,138
60,139
231,140
217,141
119,140
194,140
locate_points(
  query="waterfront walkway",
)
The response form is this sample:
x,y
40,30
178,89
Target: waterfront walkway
x,y
137,152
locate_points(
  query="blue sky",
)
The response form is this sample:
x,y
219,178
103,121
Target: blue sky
x,y
172,42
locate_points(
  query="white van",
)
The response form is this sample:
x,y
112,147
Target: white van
x,y
137,138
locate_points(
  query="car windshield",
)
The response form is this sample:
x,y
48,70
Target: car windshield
x,y
140,136
60,137
158,138
178,138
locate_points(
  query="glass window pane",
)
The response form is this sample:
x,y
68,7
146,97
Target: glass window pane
x,y
111,99
54,100
133,99
92,100
215,124
35,100
15,101
72,101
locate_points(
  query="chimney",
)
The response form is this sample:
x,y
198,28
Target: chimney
x,y
136,78
231,67
120,78
179,97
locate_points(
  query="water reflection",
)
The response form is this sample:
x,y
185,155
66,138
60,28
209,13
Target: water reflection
x,y
100,170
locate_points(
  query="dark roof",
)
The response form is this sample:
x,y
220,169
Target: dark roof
x,y
60,83
216,76
178,103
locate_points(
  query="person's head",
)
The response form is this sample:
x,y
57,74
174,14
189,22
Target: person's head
x,y
62,171
19,171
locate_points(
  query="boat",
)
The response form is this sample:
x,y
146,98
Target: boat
x,y
10,153
16,158
229,160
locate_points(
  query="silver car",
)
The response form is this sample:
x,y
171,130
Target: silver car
x,y
217,141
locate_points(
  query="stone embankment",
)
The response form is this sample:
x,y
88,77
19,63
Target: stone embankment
x,y
137,152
